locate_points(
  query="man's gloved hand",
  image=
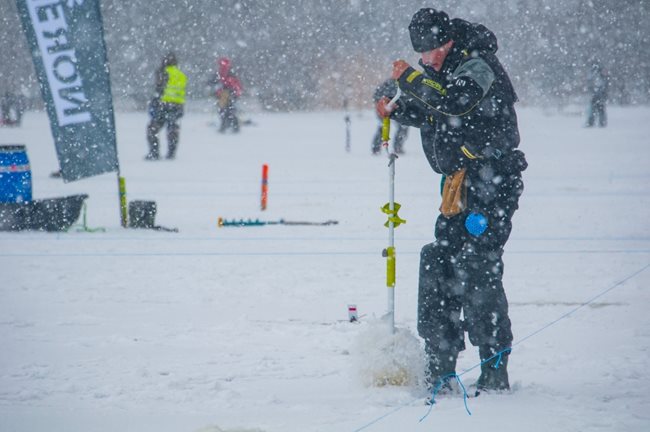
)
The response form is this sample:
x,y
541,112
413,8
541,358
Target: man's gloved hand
x,y
399,66
382,107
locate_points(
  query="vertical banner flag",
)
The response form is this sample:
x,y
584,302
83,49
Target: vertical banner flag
x,y
66,39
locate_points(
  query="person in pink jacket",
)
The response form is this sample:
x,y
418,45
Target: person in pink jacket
x,y
228,89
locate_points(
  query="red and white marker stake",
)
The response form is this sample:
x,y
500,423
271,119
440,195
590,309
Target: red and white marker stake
x,y
353,315
265,186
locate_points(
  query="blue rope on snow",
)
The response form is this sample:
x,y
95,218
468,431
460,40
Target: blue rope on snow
x,y
502,352
444,380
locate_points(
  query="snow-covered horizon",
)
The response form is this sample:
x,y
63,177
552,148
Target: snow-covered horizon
x,y
138,330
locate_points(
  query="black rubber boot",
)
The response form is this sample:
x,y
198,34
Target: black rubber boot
x,y
494,373
171,152
441,371
153,150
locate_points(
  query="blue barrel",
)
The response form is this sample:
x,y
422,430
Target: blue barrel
x,y
15,174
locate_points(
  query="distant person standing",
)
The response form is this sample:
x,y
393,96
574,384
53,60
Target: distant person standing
x,y
388,89
166,107
11,109
228,89
597,85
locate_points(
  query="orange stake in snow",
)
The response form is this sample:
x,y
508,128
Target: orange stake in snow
x,y
265,185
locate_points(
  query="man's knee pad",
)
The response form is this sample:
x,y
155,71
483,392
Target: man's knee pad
x,y
436,259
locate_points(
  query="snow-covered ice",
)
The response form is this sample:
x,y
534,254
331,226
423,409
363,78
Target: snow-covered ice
x,y
246,328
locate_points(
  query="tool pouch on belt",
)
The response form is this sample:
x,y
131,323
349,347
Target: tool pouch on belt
x,y
454,195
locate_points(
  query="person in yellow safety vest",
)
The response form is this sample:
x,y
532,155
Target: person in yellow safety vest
x,y
166,107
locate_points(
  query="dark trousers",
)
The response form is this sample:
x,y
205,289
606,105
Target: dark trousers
x,y
164,114
463,272
229,119
597,111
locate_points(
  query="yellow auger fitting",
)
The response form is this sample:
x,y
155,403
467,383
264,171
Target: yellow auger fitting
x,y
390,266
392,215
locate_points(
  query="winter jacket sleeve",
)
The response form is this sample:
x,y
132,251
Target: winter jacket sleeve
x,y
469,84
410,112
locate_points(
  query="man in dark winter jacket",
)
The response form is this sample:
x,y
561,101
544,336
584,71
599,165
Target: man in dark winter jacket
x,y
388,89
463,103
166,107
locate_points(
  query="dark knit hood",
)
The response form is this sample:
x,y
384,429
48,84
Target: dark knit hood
x,y
469,36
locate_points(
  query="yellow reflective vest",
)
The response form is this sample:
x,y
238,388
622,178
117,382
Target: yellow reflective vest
x,y
175,88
